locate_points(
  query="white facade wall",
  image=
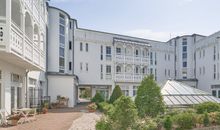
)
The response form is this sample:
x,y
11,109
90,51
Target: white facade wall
x,y
205,62
63,86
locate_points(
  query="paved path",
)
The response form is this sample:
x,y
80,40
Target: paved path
x,y
56,119
86,122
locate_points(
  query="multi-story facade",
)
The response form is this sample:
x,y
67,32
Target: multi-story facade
x,y
80,58
22,50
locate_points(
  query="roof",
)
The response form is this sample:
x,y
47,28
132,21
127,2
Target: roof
x,y
178,94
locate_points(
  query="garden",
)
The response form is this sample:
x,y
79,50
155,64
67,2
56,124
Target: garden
x,y
148,111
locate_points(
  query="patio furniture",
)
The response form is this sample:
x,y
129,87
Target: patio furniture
x,y
27,115
3,117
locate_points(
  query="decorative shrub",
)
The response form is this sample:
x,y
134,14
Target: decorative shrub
x,y
207,107
168,123
103,124
92,106
206,120
149,100
97,98
124,113
145,124
105,107
117,93
185,120
218,118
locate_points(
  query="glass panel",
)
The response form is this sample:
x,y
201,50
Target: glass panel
x,y
19,98
2,7
203,99
167,101
181,100
187,100
193,99
12,97
173,99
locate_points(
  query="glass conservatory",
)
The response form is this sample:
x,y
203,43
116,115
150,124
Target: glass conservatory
x,y
177,94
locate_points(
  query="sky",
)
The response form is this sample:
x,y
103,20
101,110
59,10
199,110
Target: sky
x,y
151,19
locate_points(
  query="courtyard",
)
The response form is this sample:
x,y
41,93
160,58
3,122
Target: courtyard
x,y
61,119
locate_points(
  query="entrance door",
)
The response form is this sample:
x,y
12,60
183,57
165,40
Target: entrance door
x,y
104,93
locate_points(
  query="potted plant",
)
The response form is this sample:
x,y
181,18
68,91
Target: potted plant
x,y
45,107
92,107
13,119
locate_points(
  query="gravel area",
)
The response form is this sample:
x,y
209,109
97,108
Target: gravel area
x,y
86,122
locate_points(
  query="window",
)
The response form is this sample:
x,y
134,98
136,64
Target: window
x,y
19,97
108,69
87,47
61,63
214,93
62,19
81,46
155,58
200,71
108,53
184,64
204,53
81,66
184,48
70,65
61,52
62,40
62,30
218,93
151,70
32,81
203,70
12,97
118,69
214,57
165,72
136,52
168,57
214,72
184,42
0,74
101,72
155,75
136,70
165,57
70,45
101,52
118,50
70,25
184,55
87,67
125,90
151,58
169,73
108,50
135,88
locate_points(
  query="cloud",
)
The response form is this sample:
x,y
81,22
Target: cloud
x,y
153,35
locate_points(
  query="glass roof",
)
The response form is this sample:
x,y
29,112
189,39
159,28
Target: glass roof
x,y
179,94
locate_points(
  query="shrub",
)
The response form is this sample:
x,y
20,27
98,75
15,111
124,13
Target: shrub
x,y
105,107
92,106
145,124
97,98
117,93
123,114
218,118
185,120
206,120
103,124
168,123
149,100
207,107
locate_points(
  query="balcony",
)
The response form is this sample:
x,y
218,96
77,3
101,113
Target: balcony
x,y
128,77
131,59
25,48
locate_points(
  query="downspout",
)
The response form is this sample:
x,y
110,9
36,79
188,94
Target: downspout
x,y
26,88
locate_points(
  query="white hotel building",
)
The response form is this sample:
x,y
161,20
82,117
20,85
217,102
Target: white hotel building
x,y
43,52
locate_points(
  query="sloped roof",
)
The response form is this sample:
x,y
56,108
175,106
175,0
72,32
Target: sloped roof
x,y
179,94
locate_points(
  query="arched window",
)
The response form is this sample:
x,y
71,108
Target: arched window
x,y
36,35
28,26
136,52
136,69
118,69
16,12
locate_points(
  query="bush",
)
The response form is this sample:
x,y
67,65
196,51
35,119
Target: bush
x,y
149,100
105,107
92,106
185,120
117,93
206,120
168,123
97,98
103,124
207,107
145,124
123,114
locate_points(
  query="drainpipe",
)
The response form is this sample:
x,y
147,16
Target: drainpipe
x,y
26,88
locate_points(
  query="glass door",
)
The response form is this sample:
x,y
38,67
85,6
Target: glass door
x,y
12,97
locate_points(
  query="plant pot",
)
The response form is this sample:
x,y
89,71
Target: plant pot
x,y
13,122
91,110
44,110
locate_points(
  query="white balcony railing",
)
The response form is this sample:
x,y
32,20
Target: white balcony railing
x,y
131,59
129,77
25,47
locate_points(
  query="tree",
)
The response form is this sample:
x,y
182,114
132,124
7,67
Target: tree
x,y
124,113
97,98
117,93
149,100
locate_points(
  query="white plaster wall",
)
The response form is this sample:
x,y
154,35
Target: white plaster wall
x,y
63,86
7,69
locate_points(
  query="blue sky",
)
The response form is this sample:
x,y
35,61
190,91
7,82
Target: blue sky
x,y
151,19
